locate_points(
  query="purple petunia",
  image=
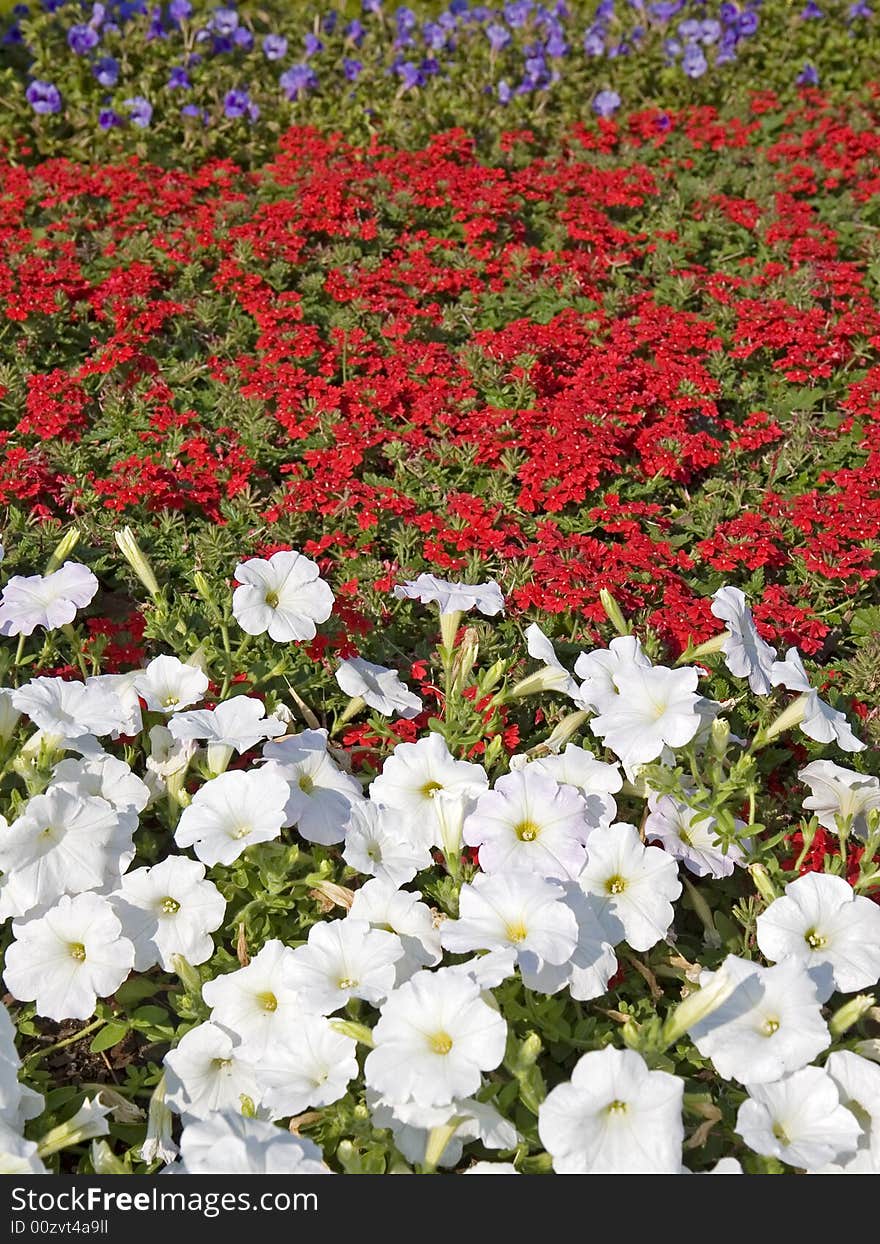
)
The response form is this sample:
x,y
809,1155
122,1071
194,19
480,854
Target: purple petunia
x,y
43,97
106,70
274,47
107,119
178,79
236,103
140,111
296,80
81,39
606,103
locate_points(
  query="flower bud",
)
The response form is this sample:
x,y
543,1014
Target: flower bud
x,y
719,737
850,1013
134,555
449,624
790,716
158,1145
89,1121
697,1006
614,613
763,884
62,550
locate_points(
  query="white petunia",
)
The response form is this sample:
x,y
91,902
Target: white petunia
x,y
284,595
239,724
554,676
746,654
692,840
819,720
167,910
599,668
593,961
453,597
597,781
840,794
9,715
799,1120
633,883
231,813
378,687
18,1102
69,708
769,1025
434,1038
414,772
256,1003
49,601
492,1168
167,684
311,1066
17,1155
206,1072
131,720
615,1117
69,957
63,843
833,932
228,1143
168,756
858,1082
529,821
375,845
515,910
411,1126
106,777
320,796
343,959
383,906
655,708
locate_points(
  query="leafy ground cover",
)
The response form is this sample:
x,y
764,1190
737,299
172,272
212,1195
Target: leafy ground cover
x,y
258,385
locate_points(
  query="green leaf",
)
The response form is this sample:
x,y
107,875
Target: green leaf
x,y
111,1034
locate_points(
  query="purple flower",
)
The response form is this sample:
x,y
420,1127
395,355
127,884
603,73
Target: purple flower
x,y
43,97
224,21
191,110
860,9
710,31
808,76
371,6
253,111
663,10
313,45
274,47
811,10
747,24
498,36
355,32
351,68
179,79
107,118
243,39
81,39
689,29
504,92
517,12
728,12
297,79
410,74
179,10
155,30
235,103
606,103
140,111
556,45
693,62
106,70
594,43
434,36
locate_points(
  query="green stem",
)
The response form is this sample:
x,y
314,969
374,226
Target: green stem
x,y
36,1055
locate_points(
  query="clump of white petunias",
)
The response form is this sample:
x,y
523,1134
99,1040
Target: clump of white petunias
x,y
229,1143
239,724
343,959
167,910
632,883
614,1117
231,813
310,1066
284,595
598,670
800,1120
207,1071
655,708
819,720
413,774
69,957
168,685
383,906
255,1003
596,781
833,932
377,845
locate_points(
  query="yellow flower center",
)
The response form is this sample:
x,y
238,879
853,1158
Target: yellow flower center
x,y
429,788
267,1001
517,932
617,1107
346,982
770,1026
815,940
615,885
526,831
272,600
440,1042
169,906
77,951
241,831
781,1135
170,700
306,784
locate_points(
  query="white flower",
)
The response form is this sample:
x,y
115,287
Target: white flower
x,y
285,596
167,757
320,797
414,772
746,654
383,906
597,782
516,910
231,813
840,794
69,708
693,841
18,1102
529,821
799,1120
489,970
206,1072
68,958
411,1126
593,961
769,1025
343,959
656,707
256,1003
820,721
378,687
240,724
49,601
833,932
492,1168
167,684
375,845
453,597
17,1155
434,1037
106,777
633,883
858,1082
63,843
158,1143
554,676
9,715
615,1117
599,668
167,910
227,1143
123,687
310,1067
